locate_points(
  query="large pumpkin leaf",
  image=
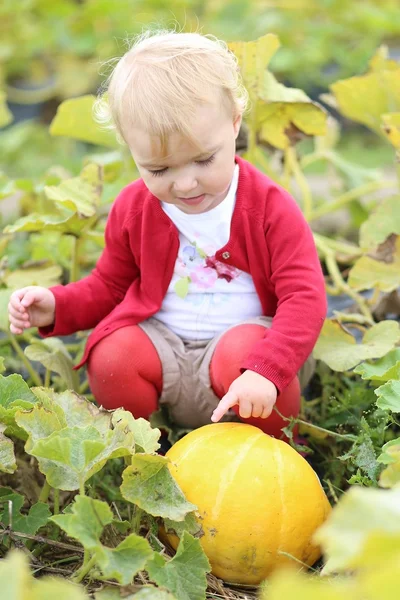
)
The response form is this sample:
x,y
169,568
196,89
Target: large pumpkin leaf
x,y
391,128
389,396
77,410
383,369
80,194
382,223
7,456
340,351
185,574
86,522
53,354
148,483
5,114
69,457
65,222
369,273
45,276
286,108
253,58
22,585
74,119
366,98
359,513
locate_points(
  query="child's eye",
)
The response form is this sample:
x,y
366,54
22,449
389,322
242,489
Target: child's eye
x,y
159,172
207,161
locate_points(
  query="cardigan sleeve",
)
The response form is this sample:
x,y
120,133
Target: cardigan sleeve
x,y
83,304
299,287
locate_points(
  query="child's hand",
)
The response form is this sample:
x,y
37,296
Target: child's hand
x,y
31,306
255,394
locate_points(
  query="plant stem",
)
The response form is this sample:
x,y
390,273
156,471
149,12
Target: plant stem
x,y
84,570
349,196
349,437
338,280
47,378
56,508
84,386
74,272
35,377
82,488
44,494
301,181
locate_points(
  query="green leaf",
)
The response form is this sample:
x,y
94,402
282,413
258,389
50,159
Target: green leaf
x,y
45,276
149,484
383,369
69,457
287,109
253,58
36,518
14,395
190,524
7,456
340,351
53,354
146,592
391,128
4,300
39,423
389,396
2,365
77,410
22,586
6,116
79,194
366,98
123,562
359,513
181,287
86,521
382,273
185,574
151,593
146,437
390,456
74,119
382,222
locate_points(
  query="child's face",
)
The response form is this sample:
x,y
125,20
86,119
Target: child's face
x,y
194,183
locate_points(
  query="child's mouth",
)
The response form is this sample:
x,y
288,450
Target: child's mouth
x,y
194,201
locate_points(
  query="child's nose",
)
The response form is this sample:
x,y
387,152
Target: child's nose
x,y
184,185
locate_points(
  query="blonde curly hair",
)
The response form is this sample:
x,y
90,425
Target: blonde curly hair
x,y
163,77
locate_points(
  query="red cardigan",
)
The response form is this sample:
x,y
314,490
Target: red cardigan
x,y
269,239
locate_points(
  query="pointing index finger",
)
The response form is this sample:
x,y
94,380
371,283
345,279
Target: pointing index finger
x,y
229,400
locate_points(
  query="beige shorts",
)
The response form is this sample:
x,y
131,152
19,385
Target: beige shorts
x,y
187,391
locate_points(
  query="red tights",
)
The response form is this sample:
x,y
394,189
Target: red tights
x,y
125,371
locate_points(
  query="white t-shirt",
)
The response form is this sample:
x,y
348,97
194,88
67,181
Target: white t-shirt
x,y
206,296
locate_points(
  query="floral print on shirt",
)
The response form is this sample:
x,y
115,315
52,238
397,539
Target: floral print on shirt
x,y
197,267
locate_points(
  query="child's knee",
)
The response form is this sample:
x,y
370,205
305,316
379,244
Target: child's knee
x,y
230,352
123,356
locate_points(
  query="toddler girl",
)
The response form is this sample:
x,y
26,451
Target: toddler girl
x,y
209,296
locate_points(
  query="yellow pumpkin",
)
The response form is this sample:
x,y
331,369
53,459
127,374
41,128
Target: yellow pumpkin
x,y
257,499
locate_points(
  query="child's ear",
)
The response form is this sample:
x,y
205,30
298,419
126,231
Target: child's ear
x,y
236,125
